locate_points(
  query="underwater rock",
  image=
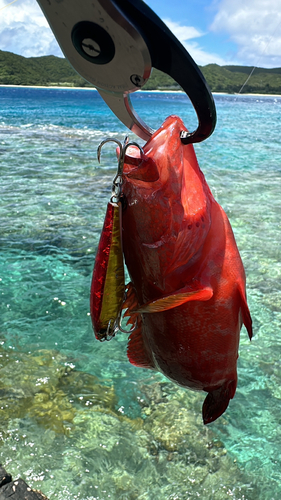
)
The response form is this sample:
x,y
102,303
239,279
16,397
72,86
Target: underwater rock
x,y
5,477
178,439
51,408
172,417
95,449
175,427
85,389
28,383
45,388
17,490
272,300
168,447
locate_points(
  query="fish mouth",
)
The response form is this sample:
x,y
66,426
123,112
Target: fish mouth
x,y
133,155
139,166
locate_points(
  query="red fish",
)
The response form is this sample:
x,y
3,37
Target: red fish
x,y
187,291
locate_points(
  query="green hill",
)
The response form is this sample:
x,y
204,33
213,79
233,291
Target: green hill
x,y
46,70
231,78
51,70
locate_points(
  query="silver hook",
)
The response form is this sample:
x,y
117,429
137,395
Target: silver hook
x,y
113,329
119,327
117,181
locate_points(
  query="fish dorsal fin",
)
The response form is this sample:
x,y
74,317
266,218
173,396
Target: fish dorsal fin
x,y
176,299
246,316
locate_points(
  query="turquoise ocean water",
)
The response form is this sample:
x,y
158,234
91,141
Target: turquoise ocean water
x,y
76,419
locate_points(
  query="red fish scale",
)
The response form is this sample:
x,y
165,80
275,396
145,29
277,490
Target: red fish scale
x,y
178,239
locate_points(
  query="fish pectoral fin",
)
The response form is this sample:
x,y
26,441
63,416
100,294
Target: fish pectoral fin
x,y
246,316
217,401
177,299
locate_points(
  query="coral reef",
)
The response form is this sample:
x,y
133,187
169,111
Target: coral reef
x,y
45,388
75,441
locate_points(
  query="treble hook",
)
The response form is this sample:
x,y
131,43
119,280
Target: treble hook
x,y
117,181
116,326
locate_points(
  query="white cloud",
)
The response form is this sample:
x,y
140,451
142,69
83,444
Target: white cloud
x,y
185,35
24,29
255,26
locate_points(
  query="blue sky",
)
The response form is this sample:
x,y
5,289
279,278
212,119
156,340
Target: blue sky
x,y
246,32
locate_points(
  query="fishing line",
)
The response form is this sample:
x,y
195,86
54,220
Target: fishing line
x,y
8,4
263,51
247,79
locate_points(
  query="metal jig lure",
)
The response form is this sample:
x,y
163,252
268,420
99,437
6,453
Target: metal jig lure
x,y
108,281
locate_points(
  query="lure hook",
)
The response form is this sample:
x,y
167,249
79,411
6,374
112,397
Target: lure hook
x,y
117,181
108,282
121,329
115,326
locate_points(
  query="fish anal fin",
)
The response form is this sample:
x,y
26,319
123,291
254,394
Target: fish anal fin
x,y
246,316
216,402
137,353
176,299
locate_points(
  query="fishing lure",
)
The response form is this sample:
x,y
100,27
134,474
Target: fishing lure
x,y
108,281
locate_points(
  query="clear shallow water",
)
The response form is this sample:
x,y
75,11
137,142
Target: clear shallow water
x,y
77,420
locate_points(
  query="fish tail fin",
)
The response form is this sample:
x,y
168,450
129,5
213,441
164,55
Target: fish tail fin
x,y
137,352
246,316
216,402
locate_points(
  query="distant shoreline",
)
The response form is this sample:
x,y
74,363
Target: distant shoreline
x,y
57,87
56,72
